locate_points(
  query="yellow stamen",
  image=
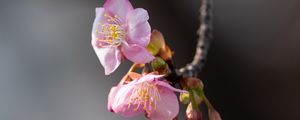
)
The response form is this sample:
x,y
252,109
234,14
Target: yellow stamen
x,y
111,33
144,94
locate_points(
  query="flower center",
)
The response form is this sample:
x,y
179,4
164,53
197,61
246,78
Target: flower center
x,y
144,95
111,33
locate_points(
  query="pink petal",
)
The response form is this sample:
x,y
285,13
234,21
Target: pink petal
x,y
136,53
111,97
167,108
148,78
110,58
214,115
137,16
139,30
99,11
118,7
168,86
122,100
99,19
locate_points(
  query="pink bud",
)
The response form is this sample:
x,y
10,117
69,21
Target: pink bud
x,y
193,114
214,115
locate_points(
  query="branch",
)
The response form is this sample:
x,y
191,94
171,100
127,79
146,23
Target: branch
x,y
205,35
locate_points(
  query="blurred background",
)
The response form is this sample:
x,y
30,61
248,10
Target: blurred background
x,y
49,71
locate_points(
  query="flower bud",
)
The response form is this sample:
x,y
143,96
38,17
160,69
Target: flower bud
x,y
157,42
159,65
165,53
193,82
196,97
193,113
214,115
184,98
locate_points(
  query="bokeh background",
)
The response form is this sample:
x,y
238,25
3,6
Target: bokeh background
x,y
48,70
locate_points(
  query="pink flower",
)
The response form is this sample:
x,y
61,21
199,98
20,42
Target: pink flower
x,y
120,31
147,94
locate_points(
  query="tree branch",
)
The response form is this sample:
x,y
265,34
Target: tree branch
x,y
205,35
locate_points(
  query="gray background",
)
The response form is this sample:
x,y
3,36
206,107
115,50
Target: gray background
x,y
48,70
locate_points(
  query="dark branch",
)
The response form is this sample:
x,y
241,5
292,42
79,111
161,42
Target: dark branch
x,y
205,35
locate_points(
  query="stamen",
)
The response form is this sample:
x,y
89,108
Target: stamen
x,y
145,95
111,33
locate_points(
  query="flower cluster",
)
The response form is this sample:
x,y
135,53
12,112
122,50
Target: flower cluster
x,y
121,32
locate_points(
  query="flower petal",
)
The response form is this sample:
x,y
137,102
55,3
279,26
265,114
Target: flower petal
x,y
118,7
137,16
148,78
168,86
99,19
139,30
111,97
110,58
167,108
136,53
122,99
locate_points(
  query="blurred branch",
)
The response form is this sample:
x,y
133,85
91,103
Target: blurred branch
x,y
205,35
